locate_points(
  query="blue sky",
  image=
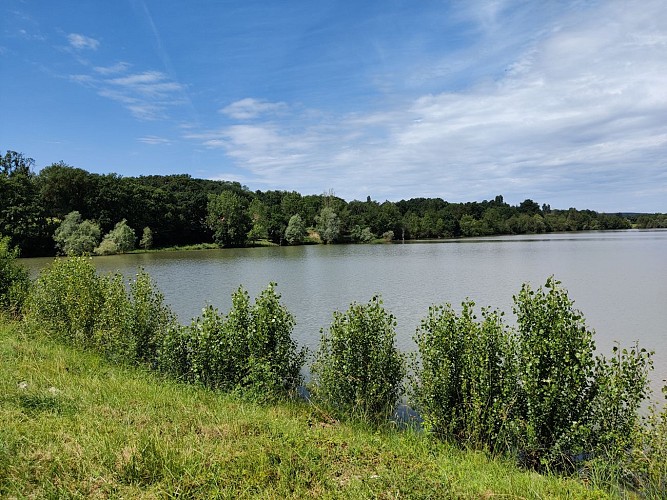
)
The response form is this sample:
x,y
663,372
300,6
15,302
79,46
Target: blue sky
x,y
564,102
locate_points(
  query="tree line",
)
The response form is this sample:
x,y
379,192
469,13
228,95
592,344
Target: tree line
x,y
172,210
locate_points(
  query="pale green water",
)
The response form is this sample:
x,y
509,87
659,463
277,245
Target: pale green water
x,y
618,280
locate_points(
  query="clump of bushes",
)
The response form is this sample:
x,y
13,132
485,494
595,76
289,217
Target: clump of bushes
x,y
96,312
251,347
358,371
539,391
14,280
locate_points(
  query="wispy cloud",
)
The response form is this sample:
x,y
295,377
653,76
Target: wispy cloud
x,y
249,108
147,95
582,104
114,69
154,140
82,42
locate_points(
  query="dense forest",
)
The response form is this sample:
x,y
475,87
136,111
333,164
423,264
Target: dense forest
x,y
173,210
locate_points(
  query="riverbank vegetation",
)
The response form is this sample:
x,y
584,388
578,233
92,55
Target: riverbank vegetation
x,y
537,393
37,211
74,425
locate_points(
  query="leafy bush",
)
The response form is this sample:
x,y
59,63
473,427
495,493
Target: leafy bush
x,y
539,390
98,312
146,241
296,230
67,299
357,370
14,280
465,383
274,362
576,403
251,347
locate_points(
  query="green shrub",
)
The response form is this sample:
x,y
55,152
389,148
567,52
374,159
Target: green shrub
x,y
120,239
151,318
14,280
98,312
67,299
76,237
358,371
465,380
539,390
275,361
576,403
250,348
113,335
214,355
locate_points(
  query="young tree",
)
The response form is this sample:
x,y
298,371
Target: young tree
x,y
296,230
328,225
358,371
120,239
228,218
146,238
76,237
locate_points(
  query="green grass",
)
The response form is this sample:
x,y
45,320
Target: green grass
x,y
73,425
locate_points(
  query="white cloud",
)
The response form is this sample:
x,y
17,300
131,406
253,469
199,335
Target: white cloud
x,y
147,95
154,140
580,109
120,67
81,42
250,108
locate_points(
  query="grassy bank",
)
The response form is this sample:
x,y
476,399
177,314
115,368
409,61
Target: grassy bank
x,y
73,425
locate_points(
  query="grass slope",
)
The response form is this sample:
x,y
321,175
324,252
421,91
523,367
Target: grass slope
x,y
73,425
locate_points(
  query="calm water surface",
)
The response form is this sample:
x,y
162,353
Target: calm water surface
x,y
617,279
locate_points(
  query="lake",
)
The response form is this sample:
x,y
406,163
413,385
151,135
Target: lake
x,y
618,279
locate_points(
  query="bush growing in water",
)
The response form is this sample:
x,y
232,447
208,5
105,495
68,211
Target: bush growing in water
x,y
357,370
575,402
466,387
251,347
14,280
539,390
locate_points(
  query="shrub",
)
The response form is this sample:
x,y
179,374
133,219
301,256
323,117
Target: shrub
x,y
146,241
576,404
67,299
358,371
152,319
120,239
250,348
14,280
465,381
296,230
97,312
218,352
274,360
539,390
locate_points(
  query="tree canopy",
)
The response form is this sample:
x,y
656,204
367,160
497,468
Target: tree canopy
x,y
181,210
